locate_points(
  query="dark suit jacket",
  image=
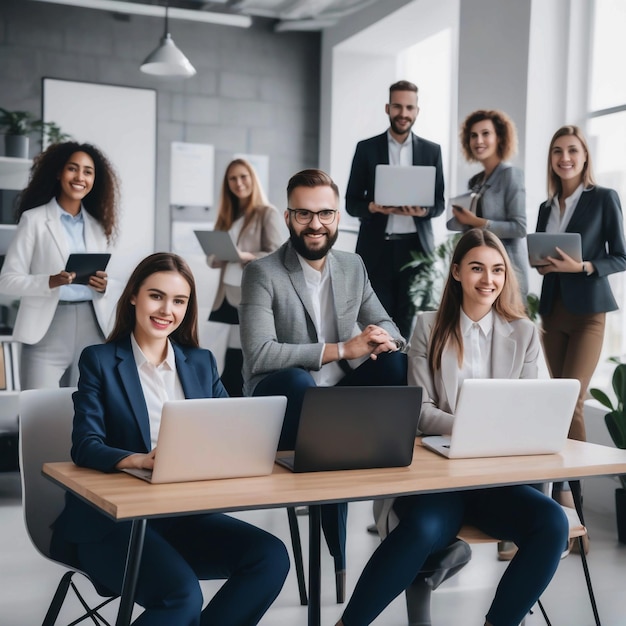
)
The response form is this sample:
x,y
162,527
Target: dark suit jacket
x,y
369,153
598,219
111,419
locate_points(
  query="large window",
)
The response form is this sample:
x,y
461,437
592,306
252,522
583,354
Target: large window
x,y
606,129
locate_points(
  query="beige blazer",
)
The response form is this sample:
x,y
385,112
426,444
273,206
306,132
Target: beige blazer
x,y
39,249
515,353
262,235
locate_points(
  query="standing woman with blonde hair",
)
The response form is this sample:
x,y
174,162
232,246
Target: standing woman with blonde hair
x,y
69,206
489,137
255,228
575,296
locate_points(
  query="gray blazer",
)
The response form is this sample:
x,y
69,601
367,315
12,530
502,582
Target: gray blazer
x,y
504,205
515,353
275,314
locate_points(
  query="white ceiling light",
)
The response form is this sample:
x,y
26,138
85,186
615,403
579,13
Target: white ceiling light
x,y
167,60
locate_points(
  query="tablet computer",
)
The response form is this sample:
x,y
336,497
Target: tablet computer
x,y
541,245
86,264
399,185
219,243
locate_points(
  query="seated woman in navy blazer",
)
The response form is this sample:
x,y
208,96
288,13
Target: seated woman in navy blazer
x,y
479,331
151,356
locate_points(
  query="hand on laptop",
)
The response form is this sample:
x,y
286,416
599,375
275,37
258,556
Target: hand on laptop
x,y
137,461
467,218
411,211
565,264
379,208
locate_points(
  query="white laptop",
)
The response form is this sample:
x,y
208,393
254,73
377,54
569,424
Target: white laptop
x,y
412,185
216,438
219,243
541,245
504,417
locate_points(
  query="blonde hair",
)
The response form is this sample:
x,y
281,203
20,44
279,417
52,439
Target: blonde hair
x,y
230,208
555,187
508,305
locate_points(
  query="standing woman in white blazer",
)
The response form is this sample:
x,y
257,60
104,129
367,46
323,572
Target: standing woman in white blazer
x,y
69,206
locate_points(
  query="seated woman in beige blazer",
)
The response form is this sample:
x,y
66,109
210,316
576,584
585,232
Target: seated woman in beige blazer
x,y
69,206
256,229
479,331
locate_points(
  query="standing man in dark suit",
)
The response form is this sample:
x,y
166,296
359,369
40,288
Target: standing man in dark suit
x,y
388,235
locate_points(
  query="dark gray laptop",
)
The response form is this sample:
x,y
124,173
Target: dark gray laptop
x,y
344,428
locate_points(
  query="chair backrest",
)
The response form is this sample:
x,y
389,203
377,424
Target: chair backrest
x,y
45,420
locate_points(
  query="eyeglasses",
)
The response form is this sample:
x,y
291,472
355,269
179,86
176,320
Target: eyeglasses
x,y
305,217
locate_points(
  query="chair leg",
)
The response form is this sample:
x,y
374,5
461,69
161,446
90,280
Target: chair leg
x,y
543,612
418,602
296,545
58,599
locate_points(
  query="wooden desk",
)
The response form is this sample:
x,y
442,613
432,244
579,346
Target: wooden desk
x,y
123,497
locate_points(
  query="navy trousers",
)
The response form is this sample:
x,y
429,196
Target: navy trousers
x,y
178,552
387,370
429,523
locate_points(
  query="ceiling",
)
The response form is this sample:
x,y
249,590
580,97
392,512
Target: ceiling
x,y
289,15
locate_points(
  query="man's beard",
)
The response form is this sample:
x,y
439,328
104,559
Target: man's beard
x,y
396,129
298,242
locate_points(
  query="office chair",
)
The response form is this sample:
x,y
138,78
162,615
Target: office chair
x,y
45,432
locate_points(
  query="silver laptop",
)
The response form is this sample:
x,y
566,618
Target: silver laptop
x,y
216,438
219,243
541,245
504,417
412,185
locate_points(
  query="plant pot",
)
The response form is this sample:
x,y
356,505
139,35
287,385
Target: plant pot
x,y
16,146
620,514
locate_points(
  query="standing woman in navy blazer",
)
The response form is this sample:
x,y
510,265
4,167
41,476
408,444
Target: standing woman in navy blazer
x,y
576,296
151,356
69,205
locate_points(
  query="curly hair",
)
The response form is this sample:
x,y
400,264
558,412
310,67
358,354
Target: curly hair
x,y
187,333
230,207
446,329
101,202
505,131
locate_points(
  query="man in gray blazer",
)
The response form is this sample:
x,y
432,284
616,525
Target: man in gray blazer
x,y
388,235
309,317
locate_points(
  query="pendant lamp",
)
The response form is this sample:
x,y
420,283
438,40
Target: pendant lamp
x,y
167,60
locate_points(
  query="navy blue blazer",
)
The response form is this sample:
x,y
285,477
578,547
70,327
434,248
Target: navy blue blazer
x,y
598,219
111,420
369,153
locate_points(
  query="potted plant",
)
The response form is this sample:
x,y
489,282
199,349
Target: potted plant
x,y
17,126
616,423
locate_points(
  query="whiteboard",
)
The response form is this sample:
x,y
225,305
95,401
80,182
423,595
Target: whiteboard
x,y
120,121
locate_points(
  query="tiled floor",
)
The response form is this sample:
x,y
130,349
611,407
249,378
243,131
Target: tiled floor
x,y
27,580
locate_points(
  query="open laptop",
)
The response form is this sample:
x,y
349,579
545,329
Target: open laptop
x,y
411,185
216,438
504,417
541,245
344,428
219,243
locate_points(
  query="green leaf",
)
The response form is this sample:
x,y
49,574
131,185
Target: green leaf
x,y
602,398
616,425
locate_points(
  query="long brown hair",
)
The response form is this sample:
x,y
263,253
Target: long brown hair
x,y
187,333
101,202
555,187
447,329
230,208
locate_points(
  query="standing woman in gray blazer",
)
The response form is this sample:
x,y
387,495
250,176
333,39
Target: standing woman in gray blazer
x,y
255,228
575,296
69,206
499,200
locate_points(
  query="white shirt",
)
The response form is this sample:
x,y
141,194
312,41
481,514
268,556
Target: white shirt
x,y
477,338
158,383
557,223
400,154
324,319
